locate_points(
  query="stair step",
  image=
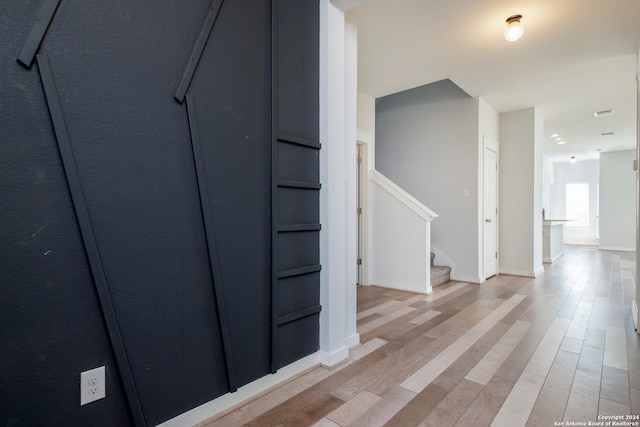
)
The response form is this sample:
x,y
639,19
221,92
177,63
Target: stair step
x,y
439,274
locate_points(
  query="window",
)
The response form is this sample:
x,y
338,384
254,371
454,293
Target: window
x,y
577,199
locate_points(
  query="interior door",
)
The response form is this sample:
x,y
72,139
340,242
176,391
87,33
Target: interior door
x,y
490,209
360,223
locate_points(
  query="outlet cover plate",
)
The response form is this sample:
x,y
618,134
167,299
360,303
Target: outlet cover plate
x,y
92,385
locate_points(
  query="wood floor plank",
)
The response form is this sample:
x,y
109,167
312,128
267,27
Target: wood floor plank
x,y
354,408
453,406
381,321
565,351
486,405
326,422
487,367
520,401
377,309
425,317
615,348
553,397
441,293
460,367
386,375
513,366
414,411
608,407
386,409
542,359
360,351
615,385
584,397
635,401
312,412
423,377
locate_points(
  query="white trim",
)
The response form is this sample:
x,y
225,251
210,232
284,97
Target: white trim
x,y
468,279
366,139
613,248
536,273
489,144
353,341
554,258
332,359
364,136
634,315
405,198
411,287
229,400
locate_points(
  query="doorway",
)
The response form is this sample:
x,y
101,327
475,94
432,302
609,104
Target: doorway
x,y
490,209
360,195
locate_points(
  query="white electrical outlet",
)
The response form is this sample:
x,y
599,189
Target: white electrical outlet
x,y
92,386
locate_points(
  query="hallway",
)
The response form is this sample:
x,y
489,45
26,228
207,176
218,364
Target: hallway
x,y
513,351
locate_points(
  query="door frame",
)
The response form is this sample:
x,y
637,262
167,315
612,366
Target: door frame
x,y
364,140
490,144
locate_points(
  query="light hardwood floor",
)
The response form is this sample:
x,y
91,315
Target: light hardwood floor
x,y
514,351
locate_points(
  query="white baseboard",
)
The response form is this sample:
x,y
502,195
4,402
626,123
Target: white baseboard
x,y
469,279
353,340
411,287
229,400
331,359
518,272
554,259
618,249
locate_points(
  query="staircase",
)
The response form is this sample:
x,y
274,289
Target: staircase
x,y
439,274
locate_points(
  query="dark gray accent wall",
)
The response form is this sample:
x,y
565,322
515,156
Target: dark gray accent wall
x,y
117,66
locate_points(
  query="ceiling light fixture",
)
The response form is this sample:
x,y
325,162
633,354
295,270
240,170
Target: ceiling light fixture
x,y
572,159
514,28
561,141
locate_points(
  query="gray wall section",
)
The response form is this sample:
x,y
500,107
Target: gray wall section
x,y
117,66
427,142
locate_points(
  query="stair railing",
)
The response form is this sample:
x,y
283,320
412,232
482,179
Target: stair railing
x,y
401,237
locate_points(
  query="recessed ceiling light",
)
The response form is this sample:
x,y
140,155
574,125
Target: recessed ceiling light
x,y
603,113
561,141
554,135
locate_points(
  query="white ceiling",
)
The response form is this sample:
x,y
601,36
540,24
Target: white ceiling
x,y
575,57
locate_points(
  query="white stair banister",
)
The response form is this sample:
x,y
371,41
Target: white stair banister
x,y
401,237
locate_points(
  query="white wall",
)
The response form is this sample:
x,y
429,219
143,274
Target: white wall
x,y
427,143
580,171
366,112
617,201
520,206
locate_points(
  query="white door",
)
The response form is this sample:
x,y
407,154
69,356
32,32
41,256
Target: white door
x,y
360,174
490,209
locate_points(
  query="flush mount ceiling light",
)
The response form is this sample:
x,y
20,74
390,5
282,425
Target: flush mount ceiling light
x,y
514,28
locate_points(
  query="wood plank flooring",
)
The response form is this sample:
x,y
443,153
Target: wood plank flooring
x,y
513,351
